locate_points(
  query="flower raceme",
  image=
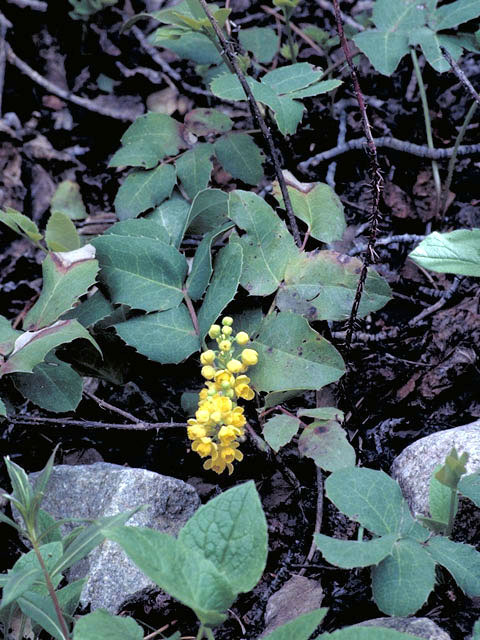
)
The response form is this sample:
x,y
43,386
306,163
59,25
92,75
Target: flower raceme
x,y
219,423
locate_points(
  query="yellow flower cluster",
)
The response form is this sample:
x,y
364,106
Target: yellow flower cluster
x,y
219,422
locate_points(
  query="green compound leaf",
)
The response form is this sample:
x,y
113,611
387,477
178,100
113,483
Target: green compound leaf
x,y
32,346
20,224
172,215
194,168
53,386
239,155
326,443
61,234
68,200
369,497
403,581
348,554
469,486
293,356
208,211
461,560
203,122
321,285
455,13
317,205
66,277
223,286
144,190
8,335
148,140
167,336
455,252
141,272
101,625
279,430
202,269
366,633
300,628
267,245
261,41
231,531
184,573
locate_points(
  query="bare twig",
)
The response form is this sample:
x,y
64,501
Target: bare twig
x,y
106,405
347,19
62,93
267,134
461,76
388,240
37,5
89,424
294,28
3,60
438,305
422,151
318,519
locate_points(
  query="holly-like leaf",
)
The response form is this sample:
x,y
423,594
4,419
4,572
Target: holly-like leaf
x,y
203,122
172,215
239,155
61,234
293,356
267,245
202,269
68,200
66,277
91,310
348,554
194,168
142,190
8,335
279,430
208,211
166,336
455,252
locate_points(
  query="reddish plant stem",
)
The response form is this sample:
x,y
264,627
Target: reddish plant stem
x,y
191,311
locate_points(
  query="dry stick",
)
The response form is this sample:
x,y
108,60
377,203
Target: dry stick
x,y
267,134
376,181
422,151
62,93
461,76
3,59
140,426
294,27
318,520
106,405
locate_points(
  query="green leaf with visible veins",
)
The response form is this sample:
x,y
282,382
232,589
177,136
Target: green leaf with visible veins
x,y
239,155
327,444
20,224
300,628
455,252
142,190
101,625
469,486
8,335
451,15
279,430
194,168
202,269
61,234
461,560
348,554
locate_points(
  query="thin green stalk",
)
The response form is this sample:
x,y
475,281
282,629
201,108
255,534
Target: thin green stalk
x,y
453,159
209,634
291,41
451,514
428,126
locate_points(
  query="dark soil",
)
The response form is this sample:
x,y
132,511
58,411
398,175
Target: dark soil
x,y
400,387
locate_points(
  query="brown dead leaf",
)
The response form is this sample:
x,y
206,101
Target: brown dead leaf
x,y
12,191
168,101
398,200
42,190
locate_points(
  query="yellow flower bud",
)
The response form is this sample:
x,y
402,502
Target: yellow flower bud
x,y
216,416
214,331
249,357
242,338
202,415
208,372
225,345
234,366
207,357
227,331
227,321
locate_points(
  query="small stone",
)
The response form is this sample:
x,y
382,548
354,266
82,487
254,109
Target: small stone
x,y
413,468
103,489
420,627
298,595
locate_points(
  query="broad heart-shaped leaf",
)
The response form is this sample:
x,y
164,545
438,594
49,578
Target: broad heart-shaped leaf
x,y
143,273
403,581
172,215
183,572
293,356
455,252
279,430
348,554
148,140
208,211
455,13
223,285
300,628
66,277
68,200
60,234
367,633
166,336
261,41
101,625
327,444
239,155
267,245
368,496
461,560
202,122
142,190
317,205
20,224
8,335
201,271
231,531
194,168
32,346
469,486
53,385
321,285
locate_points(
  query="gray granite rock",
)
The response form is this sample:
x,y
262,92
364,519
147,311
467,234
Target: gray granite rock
x,y
103,489
297,596
413,468
420,627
